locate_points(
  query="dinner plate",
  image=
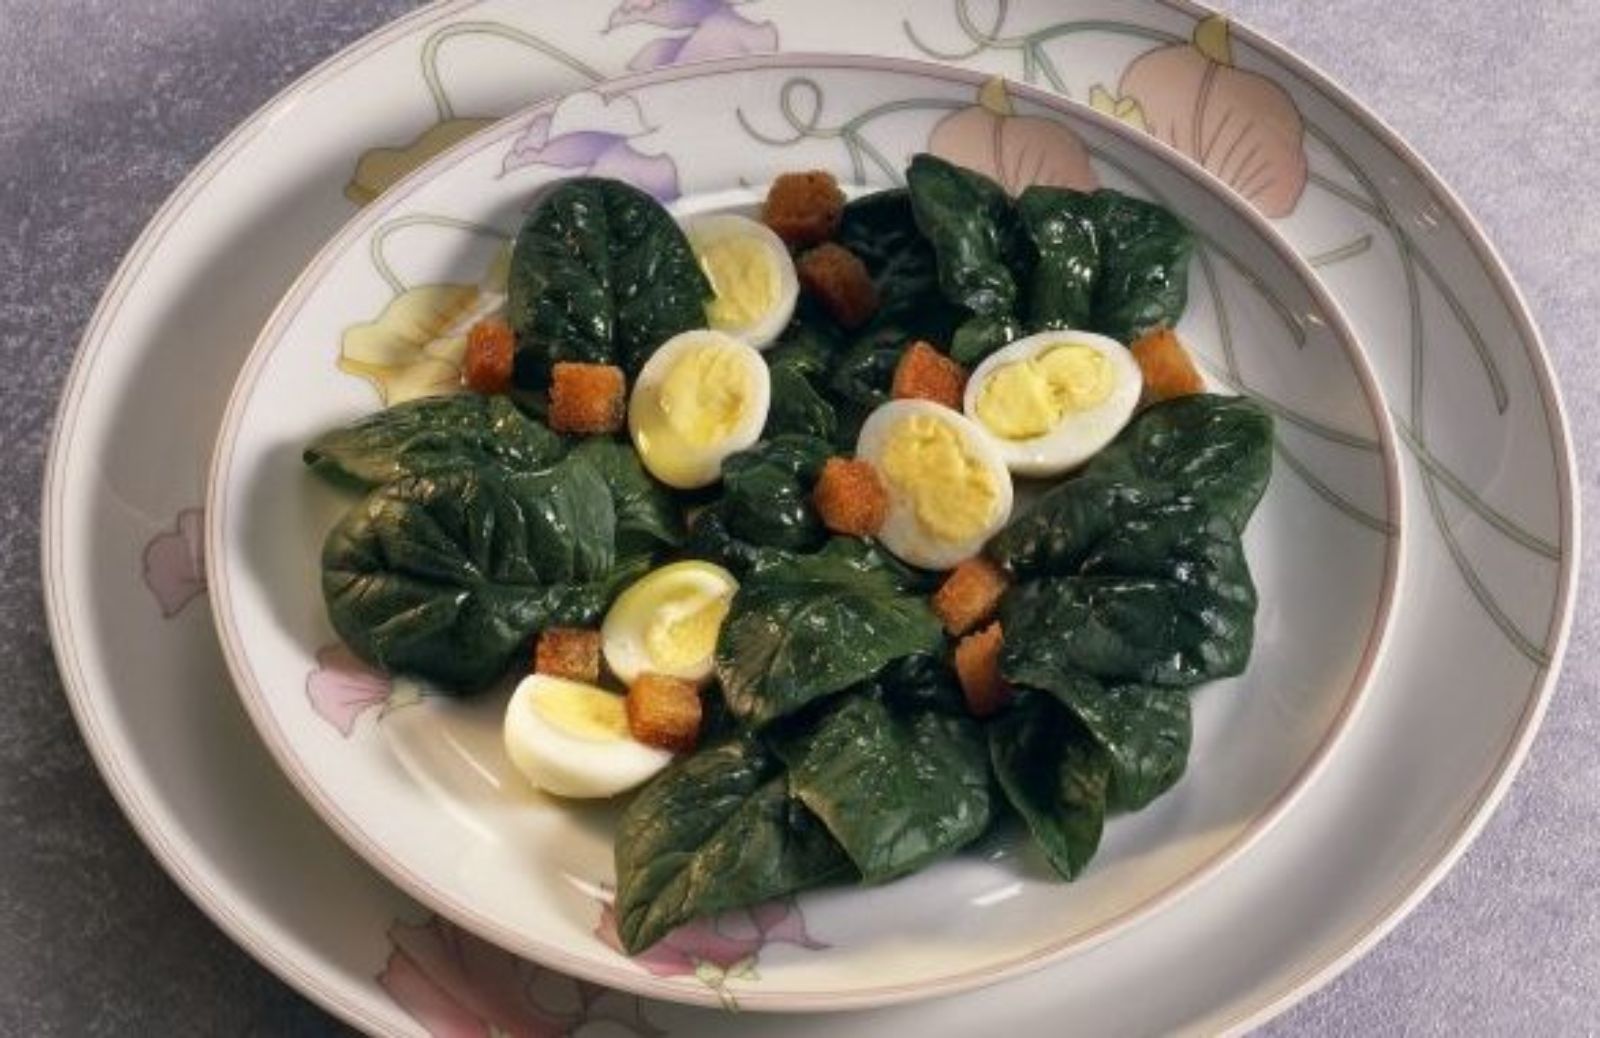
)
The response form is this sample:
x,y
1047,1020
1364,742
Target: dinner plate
x,y
420,785
1481,625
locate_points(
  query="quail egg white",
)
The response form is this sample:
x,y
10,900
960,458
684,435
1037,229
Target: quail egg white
x,y
701,396
667,622
751,274
572,740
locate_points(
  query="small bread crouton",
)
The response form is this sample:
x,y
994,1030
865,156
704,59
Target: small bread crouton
x,y
491,345
587,398
969,595
838,280
664,712
978,668
1168,370
568,652
850,498
926,374
804,209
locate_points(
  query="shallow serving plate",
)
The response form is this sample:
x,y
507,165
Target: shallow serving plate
x,y
419,784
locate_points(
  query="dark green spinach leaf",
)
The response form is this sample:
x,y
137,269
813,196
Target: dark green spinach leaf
x,y
716,830
813,625
433,435
1055,775
767,493
881,229
601,274
647,517
798,409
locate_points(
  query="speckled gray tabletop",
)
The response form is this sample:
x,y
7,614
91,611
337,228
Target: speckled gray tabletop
x,y
108,103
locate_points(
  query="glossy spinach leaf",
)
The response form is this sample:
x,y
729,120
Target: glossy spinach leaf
x,y
1215,449
767,493
881,229
716,830
1144,730
711,539
797,408
647,517
809,626
1066,241
600,273
923,682
1143,279
433,435
1056,777
1063,526
446,576
980,247
898,789
1165,598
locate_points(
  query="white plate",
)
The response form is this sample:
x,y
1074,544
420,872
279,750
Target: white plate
x,y
1445,728
424,791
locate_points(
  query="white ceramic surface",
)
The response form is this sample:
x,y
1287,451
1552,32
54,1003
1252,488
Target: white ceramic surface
x,y
424,791
1482,625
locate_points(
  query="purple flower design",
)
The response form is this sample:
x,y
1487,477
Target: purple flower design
x,y
589,135
342,688
716,948
457,985
175,562
716,30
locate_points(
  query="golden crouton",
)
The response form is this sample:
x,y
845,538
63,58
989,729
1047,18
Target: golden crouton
x,y
978,668
969,595
926,374
804,209
587,398
837,279
664,712
1168,370
850,498
568,652
491,345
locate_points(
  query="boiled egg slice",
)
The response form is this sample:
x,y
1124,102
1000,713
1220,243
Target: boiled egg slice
x,y
572,740
751,274
667,622
949,489
701,396
1054,400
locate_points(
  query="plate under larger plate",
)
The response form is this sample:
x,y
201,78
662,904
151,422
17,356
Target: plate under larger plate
x,y
1492,576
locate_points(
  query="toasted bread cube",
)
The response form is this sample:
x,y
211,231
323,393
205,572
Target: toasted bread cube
x,y
969,595
491,346
978,669
850,498
926,374
664,712
837,279
1168,370
804,209
568,652
587,398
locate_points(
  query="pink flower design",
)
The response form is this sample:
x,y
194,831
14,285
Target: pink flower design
x,y
716,30
175,562
457,985
729,943
601,144
342,688
1239,125
1013,150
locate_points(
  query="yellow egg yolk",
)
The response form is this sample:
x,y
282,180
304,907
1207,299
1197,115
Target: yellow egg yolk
x,y
1030,397
706,393
952,494
684,628
744,279
582,711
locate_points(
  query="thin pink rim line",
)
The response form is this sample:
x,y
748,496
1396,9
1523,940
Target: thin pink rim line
x,y
53,565
621,976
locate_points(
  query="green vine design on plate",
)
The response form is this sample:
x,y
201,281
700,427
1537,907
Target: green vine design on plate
x,y
1438,479
800,105
380,240
435,43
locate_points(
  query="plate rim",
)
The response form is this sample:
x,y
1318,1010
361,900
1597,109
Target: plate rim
x,y
212,893
760,998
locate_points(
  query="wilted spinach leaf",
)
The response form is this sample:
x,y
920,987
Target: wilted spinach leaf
x,y
647,517
1055,775
1216,449
767,493
446,576
1165,598
600,273
898,789
433,435
716,830
810,626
